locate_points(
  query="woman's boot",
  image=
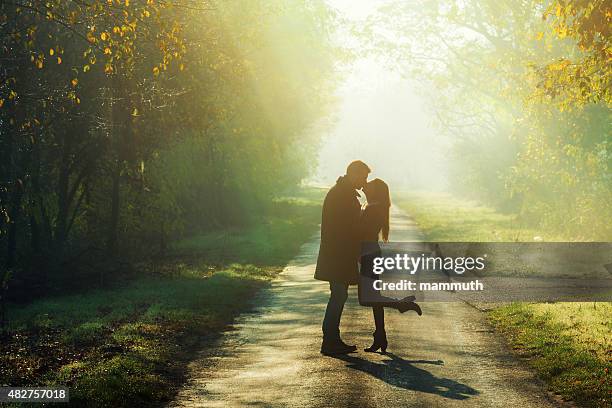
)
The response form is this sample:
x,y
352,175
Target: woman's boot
x,y
380,342
404,306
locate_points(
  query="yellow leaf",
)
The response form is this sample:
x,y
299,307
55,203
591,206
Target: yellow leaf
x,y
135,112
558,66
51,51
1,103
74,82
59,60
155,71
539,35
104,36
562,32
86,68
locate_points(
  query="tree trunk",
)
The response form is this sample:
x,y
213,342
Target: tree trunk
x,y
111,244
122,128
15,214
62,194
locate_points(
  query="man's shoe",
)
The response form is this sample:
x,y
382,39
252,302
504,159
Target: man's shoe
x,y
348,345
330,348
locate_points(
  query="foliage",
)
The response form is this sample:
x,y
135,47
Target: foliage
x,y
581,75
129,345
502,77
126,124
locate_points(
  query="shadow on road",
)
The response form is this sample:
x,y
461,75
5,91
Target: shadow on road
x,y
402,373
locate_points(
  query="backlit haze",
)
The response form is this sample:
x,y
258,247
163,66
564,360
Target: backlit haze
x,y
382,120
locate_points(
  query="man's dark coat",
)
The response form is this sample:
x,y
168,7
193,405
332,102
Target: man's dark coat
x,y
339,250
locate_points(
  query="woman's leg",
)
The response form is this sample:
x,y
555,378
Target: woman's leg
x,y
379,318
375,299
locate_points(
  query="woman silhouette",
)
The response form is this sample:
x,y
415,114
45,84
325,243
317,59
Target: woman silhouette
x,y
374,224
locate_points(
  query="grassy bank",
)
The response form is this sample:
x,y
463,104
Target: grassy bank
x,y
128,346
569,344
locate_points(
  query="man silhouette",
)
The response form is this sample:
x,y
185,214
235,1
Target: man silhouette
x,y
339,251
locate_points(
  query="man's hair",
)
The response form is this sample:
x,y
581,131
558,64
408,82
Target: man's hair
x,y
357,165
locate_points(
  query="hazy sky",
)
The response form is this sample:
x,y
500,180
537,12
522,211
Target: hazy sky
x,y
381,120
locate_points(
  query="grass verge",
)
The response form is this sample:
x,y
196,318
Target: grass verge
x,y
569,344
129,346
575,369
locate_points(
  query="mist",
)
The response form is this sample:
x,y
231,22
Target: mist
x,y
382,119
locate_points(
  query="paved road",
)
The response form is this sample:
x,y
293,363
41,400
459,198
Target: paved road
x,y
449,357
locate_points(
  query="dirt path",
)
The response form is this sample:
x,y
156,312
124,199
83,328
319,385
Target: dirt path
x,y
448,357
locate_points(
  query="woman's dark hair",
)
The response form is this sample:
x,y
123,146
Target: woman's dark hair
x,y
377,192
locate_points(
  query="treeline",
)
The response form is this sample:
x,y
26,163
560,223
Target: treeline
x,y
522,89
125,124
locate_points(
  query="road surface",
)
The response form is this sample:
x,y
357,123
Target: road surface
x,y
449,357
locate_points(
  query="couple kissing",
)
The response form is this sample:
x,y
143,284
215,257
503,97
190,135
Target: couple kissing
x,y
344,226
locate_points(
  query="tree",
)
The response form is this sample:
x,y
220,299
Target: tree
x,y
580,75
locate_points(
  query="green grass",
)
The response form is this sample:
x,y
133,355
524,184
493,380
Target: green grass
x,y
444,218
575,369
129,346
271,240
569,344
